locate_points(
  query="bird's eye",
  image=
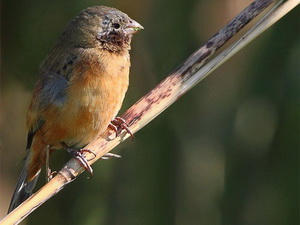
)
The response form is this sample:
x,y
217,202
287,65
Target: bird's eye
x,y
115,25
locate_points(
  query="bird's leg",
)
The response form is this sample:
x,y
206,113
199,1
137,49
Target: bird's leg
x,y
78,154
49,174
118,124
48,171
47,164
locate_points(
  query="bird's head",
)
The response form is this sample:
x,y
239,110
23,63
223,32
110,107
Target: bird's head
x,y
103,27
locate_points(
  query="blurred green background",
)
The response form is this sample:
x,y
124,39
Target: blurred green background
x,y
225,153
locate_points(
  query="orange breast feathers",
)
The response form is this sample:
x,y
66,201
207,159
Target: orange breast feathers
x,y
92,97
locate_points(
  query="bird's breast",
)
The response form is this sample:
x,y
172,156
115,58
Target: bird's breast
x,y
94,97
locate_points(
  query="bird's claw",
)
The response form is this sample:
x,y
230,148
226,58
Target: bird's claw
x,y
51,174
110,155
89,151
78,154
118,124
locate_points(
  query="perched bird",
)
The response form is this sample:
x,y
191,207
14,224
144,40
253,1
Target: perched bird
x,y
81,86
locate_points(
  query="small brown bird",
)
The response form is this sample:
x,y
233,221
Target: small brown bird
x,y
80,90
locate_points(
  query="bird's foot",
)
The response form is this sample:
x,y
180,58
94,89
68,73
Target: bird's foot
x,y
78,154
110,155
51,174
118,124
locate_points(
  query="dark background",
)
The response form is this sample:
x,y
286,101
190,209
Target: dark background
x,y
225,153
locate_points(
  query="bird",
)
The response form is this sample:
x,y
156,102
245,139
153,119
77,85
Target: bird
x,y
81,86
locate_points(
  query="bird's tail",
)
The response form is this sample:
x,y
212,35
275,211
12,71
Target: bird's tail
x,y
24,188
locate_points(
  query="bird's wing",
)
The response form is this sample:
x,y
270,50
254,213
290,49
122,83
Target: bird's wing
x,y
53,90
49,91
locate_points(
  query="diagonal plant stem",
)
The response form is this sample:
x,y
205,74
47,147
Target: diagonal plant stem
x,y
187,75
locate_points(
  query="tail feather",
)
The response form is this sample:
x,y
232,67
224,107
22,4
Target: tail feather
x,y
23,189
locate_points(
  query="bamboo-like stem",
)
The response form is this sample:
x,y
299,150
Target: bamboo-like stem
x,y
167,92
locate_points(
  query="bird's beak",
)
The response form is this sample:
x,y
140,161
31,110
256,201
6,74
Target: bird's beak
x,y
133,27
